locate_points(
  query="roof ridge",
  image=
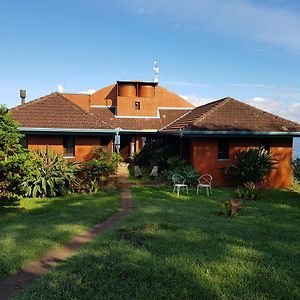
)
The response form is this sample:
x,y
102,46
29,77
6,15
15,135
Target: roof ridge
x,y
212,110
32,101
82,110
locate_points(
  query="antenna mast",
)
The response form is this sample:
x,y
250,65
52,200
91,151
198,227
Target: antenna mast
x,y
156,69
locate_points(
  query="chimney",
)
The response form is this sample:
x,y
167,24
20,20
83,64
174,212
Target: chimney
x,y
22,96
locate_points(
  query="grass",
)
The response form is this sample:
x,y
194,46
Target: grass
x,y
43,224
179,248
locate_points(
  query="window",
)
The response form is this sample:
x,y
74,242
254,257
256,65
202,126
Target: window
x,y
223,149
69,146
137,105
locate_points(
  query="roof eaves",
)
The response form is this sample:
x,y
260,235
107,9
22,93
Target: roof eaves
x,y
64,130
231,133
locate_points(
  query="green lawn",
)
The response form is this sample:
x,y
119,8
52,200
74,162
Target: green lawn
x,y
48,223
178,248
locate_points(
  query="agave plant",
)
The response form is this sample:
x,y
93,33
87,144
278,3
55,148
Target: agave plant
x,y
51,176
296,169
251,165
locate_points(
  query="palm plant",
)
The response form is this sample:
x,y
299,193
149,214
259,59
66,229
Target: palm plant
x,y
51,176
251,165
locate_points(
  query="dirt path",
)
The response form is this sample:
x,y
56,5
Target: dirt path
x,y
53,258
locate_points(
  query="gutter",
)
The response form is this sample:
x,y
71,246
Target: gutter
x,y
230,133
64,130
41,130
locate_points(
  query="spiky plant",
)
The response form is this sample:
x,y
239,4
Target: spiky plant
x,y
251,165
52,175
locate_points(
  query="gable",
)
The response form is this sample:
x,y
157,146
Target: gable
x,y
55,111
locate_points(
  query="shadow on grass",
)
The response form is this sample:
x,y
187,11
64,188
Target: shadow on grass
x,y
177,247
48,223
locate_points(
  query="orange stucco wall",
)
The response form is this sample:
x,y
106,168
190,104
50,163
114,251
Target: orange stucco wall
x,y
150,100
37,142
204,153
83,144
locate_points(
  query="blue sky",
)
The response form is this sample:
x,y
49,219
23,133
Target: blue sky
x,y
206,49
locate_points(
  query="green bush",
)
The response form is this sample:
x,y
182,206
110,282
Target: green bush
x,y
93,172
176,165
296,169
249,191
14,159
155,153
230,208
50,176
111,159
251,165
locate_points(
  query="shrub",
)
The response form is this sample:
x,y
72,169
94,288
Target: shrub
x,y
51,176
14,159
110,159
251,165
155,153
230,208
9,199
176,165
296,169
93,172
249,191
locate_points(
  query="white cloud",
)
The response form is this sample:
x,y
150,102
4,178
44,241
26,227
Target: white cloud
x,y
291,112
277,107
294,111
197,101
89,92
245,19
270,105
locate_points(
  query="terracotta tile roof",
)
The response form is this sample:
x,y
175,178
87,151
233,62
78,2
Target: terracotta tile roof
x,y
231,115
55,111
165,117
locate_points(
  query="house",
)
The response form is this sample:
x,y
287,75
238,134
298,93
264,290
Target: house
x,y
73,123
123,116
217,131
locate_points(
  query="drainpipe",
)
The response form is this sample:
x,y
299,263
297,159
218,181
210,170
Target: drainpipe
x,y
181,135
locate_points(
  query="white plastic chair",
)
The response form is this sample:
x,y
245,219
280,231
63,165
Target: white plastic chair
x,y
179,182
154,172
205,182
137,172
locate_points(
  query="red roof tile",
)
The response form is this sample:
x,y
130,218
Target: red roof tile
x,y
231,115
165,117
55,111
